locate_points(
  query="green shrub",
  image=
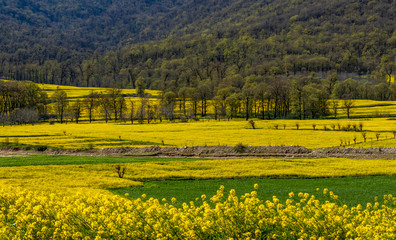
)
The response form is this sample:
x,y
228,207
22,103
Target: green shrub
x,y
240,148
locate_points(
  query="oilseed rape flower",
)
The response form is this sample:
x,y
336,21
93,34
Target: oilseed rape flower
x,y
27,214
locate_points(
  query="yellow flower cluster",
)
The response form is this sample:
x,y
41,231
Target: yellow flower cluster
x,y
29,215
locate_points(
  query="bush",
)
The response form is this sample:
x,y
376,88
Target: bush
x,y
27,148
41,148
252,124
240,148
120,170
183,119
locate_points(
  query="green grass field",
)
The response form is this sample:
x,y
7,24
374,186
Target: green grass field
x,y
352,190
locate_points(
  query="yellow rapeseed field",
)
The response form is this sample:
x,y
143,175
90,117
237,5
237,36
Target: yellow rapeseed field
x,y
64,179
80,92
247,168
362,107
327,133
70,202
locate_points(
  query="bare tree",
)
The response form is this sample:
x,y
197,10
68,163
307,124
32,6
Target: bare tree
x,y
4,118
334,107
168,102
91,102
61,103
114,96
121,105
105,107
23,116
132,112
348,105
141,113
76,110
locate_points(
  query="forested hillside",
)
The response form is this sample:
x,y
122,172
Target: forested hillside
x,y
202,47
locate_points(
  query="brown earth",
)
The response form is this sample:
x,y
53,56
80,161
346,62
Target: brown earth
x,y
220,152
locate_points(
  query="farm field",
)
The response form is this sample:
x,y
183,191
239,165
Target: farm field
x,y
83,188
360,108
57,172
370,108
197,120
80,92
85,197
207,133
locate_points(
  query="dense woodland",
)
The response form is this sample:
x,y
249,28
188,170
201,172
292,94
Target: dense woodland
x,y
287,56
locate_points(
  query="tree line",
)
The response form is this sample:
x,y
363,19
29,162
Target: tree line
x,y
297,97
273,98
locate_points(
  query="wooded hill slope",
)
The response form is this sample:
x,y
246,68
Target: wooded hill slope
x,y
174,44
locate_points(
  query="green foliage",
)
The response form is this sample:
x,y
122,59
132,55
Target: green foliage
x,y
61,103
193,41
21,102
282,59
240,148
352,190
41,148
140,86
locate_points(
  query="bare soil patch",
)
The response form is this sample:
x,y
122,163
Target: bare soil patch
x,y
220,152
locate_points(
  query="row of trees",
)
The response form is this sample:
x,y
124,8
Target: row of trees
x,y
112,105
300,97
266,98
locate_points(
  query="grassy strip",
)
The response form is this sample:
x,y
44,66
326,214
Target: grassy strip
x,y
38,160
352,190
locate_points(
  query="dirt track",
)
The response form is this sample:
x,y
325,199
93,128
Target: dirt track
x,y
221,152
